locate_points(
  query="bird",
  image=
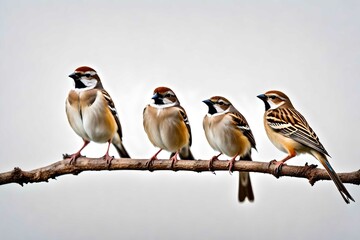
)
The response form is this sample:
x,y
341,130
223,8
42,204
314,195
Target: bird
x,y
167,125
288,130
92,114
228,132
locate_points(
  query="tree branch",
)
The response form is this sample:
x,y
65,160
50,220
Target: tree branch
x,y
82,164
63,167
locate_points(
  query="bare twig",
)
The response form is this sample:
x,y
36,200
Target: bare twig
x,y
82,164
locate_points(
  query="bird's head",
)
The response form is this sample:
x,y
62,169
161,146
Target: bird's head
x,y
217,104
275,99
85,78
164,97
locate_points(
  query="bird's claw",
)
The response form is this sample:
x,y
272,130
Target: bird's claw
x,y
278,167
108,159
173,161
231,166
149,163
210,166
271,162
278,170
72,157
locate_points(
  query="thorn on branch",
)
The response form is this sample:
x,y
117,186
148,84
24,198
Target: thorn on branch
x,y
18,176
308,167
76,172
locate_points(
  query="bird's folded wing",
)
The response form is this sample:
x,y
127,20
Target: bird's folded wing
x,y
290,123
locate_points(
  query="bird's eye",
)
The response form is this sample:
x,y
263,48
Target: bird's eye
x,y
87,75
221,103
272,97
168,95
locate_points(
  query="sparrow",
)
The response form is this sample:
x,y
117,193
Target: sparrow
x,y
228,132
167,125
288,130
92,114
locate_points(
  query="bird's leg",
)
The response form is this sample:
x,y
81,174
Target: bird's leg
x,y
174,159
211,161
281,163
231,164
150,161
76,155
107,157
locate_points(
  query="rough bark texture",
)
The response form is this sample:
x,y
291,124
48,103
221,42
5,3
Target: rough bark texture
x,y
311,172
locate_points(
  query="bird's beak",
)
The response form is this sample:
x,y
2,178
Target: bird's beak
x,y
265,100
73,76
262,97
208,102
156,96
158,99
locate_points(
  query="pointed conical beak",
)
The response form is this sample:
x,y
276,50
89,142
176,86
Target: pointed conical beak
x,y
156,96
208,102
73,76
262,97
212,110
158,99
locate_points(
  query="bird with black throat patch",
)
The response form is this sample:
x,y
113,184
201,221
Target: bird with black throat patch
x,y
167,126
228,132
92,114
288,130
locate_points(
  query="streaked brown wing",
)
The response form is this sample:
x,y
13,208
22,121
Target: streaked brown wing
x,y
186,121
241,123
112,108
290,123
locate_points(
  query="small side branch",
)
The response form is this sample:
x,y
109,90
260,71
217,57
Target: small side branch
x,y
310,172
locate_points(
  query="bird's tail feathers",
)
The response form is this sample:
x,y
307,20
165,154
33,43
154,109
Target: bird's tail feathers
x,y
120,147
185,153
122,151
245,187
340,186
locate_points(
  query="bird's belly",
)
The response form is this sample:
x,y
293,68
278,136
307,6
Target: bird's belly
x,y
168,134
76,122
286,144
98,124
230,142
174,135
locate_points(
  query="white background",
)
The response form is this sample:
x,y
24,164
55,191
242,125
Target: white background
x,y
238,49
